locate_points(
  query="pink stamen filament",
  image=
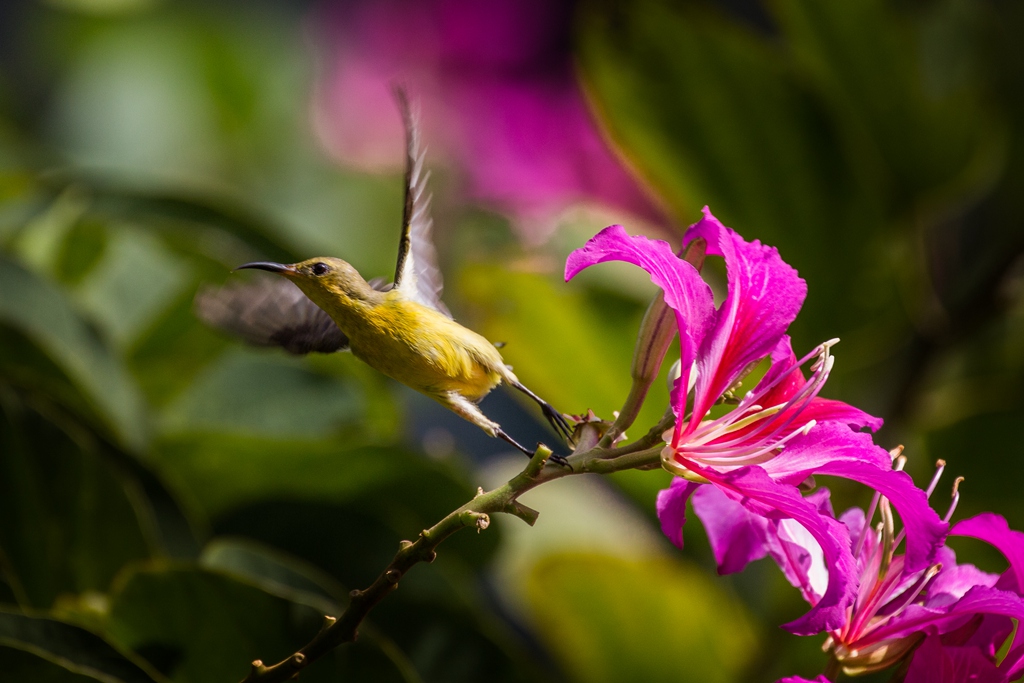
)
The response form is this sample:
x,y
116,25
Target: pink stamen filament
x,y
791,409
867,524
924,577
767,449
880,591
940,466
956,499
687,428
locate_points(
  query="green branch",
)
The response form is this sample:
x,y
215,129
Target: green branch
x,y
644,453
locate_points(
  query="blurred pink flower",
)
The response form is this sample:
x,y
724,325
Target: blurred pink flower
x,y
499,95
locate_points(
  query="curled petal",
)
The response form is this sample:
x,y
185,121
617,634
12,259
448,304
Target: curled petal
x,y
994,530
759,494
671,508
832,449
954,580
685,292
784,366
765,294
737,536
978,600
799,555
935,663
823,445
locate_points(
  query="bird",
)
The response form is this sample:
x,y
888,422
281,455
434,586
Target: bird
x,y
402,328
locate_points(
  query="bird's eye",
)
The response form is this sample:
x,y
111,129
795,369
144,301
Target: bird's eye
x,y
319,268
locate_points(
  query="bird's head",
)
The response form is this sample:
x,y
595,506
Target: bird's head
x,y
326,281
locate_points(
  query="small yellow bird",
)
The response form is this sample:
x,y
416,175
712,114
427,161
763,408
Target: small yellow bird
x,y
401,329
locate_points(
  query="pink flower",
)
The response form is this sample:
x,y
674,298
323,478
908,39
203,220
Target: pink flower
x,y
956,616
499,95
965,636
777,435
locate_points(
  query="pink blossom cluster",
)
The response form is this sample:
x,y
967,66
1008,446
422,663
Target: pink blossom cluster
x,y
747,463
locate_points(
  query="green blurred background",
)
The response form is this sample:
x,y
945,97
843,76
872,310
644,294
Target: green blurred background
x,y
174,505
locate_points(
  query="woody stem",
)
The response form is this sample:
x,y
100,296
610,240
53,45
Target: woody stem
x,y
476,513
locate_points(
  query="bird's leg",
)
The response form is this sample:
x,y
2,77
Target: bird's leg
x,y
501,434
463,407
554,418
555,458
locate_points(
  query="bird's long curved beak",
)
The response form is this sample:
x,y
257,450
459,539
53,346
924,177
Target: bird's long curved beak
x,y
270,266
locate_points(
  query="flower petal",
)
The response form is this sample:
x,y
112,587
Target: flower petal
x,y
954,580
685,292
797,553
759,494
737,536
935,663
994,530
765,294
784,362
978,600
832,449
825,444
671,508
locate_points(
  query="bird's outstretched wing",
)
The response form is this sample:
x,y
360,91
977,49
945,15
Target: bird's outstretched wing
x,y
417,275
271,312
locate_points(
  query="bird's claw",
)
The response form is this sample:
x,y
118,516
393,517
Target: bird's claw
x,y
560,460
558,422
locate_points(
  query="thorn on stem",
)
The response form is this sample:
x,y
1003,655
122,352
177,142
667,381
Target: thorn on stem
x,y
257,670
392,576
478,519
527,514
329,621
404,545
355,594
297,659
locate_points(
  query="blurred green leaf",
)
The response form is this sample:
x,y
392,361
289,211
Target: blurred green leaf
x,y
135,281
42,313
19,665
650,619
67,520
222,472
712,116
185,218
70,647
291,578
82,249
197,625
296,494
910,122
274,571
264,394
